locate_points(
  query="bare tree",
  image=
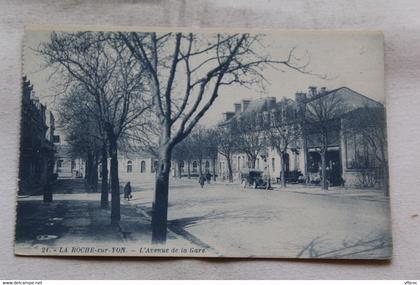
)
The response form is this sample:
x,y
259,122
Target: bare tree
x,y
225,140
112,77
181,153
199,145
211,150
370,124
194,67
283,131
250,136
85,135
321,118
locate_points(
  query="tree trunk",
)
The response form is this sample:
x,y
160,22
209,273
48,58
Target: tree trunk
x,y
89,164
160,205
115,183
95,173
47,195
189,169
252,160
324,181
86,169
214,169
229,164
179,170
282,170
104,184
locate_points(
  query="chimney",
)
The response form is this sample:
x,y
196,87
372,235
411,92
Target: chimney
x,y
245,104
323,90
272,102
300,97
238,108
266,117
301,100
312,91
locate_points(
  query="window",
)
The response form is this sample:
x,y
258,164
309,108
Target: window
x,y
358,153
129,166
194,166
273,118
207,165
257,163
59,165
314,161
56,139
239,163
155,166
143,166
273,164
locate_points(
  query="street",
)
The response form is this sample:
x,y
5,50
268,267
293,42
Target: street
x,y
298,221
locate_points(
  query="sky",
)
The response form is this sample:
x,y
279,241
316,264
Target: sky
x,y
351,59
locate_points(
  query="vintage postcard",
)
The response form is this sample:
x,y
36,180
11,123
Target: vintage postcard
x,y
203,143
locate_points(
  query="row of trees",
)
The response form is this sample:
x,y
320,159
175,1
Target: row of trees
x,y
250,134
103,99
198,146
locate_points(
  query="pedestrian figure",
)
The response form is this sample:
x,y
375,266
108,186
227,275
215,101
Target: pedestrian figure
x,y
208,177
201,180
328,175
127,191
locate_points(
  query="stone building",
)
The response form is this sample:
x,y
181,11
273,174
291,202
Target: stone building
x,y
138,165
263,110
66,165
194,166
36,160
356,153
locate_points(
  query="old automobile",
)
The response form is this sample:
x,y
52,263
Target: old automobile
x,y
253,178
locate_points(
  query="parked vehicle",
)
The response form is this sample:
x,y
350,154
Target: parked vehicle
x,y
295,176
253,178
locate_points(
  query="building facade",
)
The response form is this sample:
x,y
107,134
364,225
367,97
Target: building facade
x,y
36,161
65,164
263,111
138,165
356,148
356,155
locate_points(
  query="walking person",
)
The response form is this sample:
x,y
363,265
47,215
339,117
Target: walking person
x,y
208,177
201,180
127,191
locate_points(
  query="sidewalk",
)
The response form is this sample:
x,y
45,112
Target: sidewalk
x,y
75,217
367,194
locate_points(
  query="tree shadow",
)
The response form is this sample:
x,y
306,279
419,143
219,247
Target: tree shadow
x,y
179,226
379,247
